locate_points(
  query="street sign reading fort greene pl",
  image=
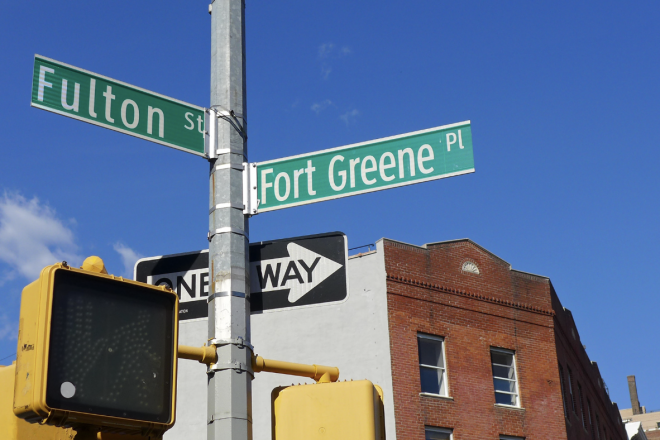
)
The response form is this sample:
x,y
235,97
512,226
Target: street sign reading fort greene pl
x,y
385,163
83,95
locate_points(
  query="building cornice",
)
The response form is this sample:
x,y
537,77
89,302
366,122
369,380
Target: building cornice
x,y
470,295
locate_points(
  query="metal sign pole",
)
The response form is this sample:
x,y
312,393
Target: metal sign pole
x,y
229,415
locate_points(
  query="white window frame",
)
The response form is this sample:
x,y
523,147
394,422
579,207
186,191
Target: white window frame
x,y
515,370
563,391
570,389
439,430
444,361
581,397
591,421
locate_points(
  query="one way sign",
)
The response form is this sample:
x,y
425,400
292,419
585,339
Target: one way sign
x,y
298,271
288,273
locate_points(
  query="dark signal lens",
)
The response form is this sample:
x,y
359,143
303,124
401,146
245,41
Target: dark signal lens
x,y
111,348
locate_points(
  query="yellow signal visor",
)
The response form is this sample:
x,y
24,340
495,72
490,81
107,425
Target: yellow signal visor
x,y
339,410
96,349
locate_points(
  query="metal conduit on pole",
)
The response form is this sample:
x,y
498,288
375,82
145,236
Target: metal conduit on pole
x,y
204,355
320,373
229,411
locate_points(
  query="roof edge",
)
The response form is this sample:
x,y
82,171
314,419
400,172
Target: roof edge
x,y
403,242
532,274
426,245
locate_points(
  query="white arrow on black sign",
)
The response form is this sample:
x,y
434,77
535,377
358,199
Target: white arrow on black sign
x,y
284,274
300,272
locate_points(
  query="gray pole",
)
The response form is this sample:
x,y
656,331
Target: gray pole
x,y
229,414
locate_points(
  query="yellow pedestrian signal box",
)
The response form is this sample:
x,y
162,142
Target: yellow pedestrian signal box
x,y
14,428
95,349
329,411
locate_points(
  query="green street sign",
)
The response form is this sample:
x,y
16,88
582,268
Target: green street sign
x,y
385,163
79,94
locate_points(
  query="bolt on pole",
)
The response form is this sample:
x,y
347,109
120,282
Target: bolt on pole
x,y
229,413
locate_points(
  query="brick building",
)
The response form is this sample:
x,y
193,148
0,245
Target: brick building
x,y
513,363
463,346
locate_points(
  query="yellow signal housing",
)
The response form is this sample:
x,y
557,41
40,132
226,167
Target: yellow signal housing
x,y
328,411
95,350
14,428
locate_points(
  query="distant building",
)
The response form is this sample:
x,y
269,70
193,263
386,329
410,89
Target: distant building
x,y
646,425
635,431
463,346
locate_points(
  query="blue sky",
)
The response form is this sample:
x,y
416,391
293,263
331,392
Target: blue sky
x,y
563,99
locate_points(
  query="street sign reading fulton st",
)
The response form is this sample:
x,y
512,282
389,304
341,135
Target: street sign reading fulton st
x,y
83,95
288,273
345,171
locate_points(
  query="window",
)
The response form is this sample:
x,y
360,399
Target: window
x,y
584,421
432,372
563,396
504,377
591,422
437,433
597,427
508,437
570,389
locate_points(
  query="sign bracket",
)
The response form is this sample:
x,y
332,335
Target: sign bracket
x,y
250,194
226,230
211,116
239,342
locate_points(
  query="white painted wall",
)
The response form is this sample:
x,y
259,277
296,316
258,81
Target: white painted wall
x,y
191,386
352,335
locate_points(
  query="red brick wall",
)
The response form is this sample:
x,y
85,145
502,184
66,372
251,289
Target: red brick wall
x,y
429,293
652,435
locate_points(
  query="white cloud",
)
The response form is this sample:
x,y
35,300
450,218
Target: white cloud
x,y
329,51
318,107
326,49
128,258
32,237
8,330
350,117
7,275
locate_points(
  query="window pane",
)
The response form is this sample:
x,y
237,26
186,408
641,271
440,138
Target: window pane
x,y
433,434
432,382
505,399
502,358
430,352
505,372
504,385
504,378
